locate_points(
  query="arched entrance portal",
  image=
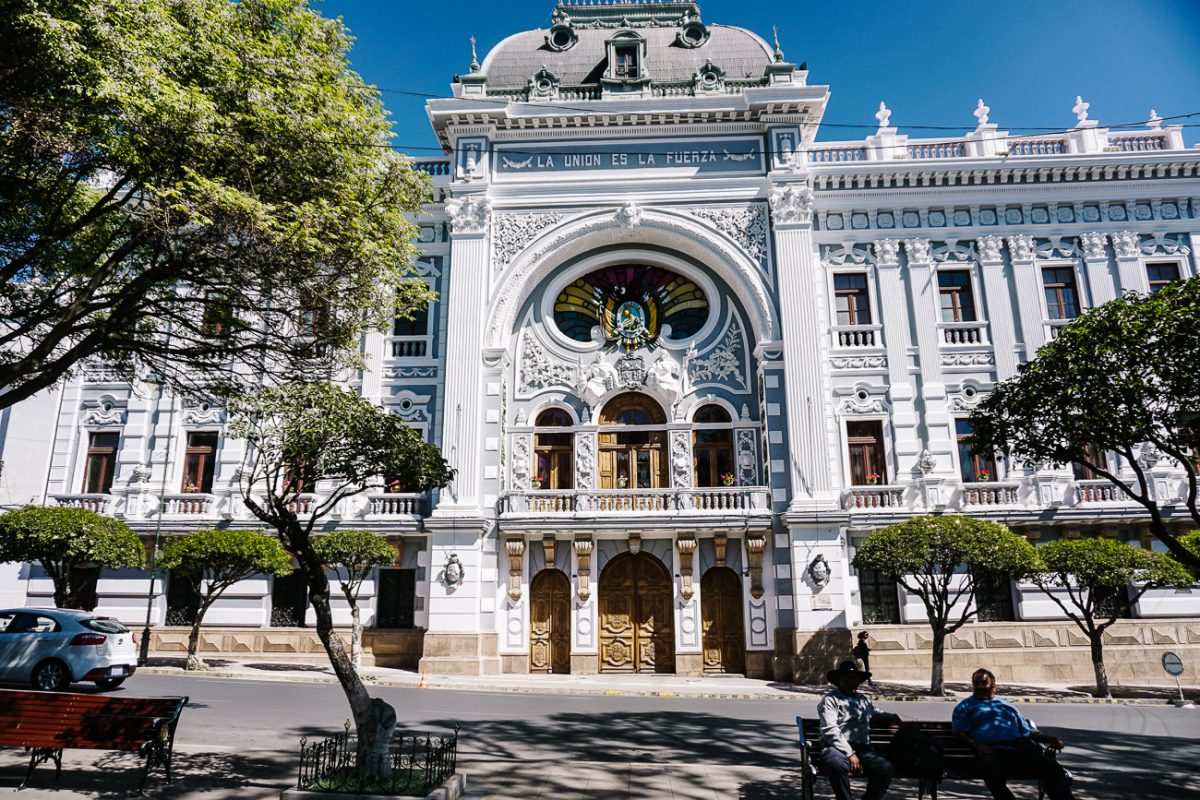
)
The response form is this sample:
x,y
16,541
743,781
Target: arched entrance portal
x,y
635,615
550,622
721,615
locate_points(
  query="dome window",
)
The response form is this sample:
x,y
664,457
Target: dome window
x,y
543,85
693,34
561,37
709,79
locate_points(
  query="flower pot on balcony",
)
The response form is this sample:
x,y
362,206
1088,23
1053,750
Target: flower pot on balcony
x,y
727,481
983,477
622,483
535,484
872,481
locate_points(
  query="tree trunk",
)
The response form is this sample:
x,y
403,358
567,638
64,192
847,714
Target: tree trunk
x,y
193,660
356,632
1098,664
62,591
937,682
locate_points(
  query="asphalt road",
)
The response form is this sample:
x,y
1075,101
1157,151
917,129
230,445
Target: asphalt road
x,y
239,739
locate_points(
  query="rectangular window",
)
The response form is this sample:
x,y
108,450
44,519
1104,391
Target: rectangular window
x,y
865,442
880,603
218,319
397,599
970,466
200,462
993,598
101,462
1083,472
289,600
957,299
627,66
1062,299
850,294
1159,275
417,326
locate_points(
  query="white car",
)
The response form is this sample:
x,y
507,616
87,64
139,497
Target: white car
x,y
50,648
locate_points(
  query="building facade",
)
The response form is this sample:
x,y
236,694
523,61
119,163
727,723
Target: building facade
x,y
685,357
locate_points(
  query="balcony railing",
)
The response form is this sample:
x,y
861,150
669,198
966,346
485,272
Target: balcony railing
x,y
409,346
856,336
394,504
1098,491
1053,326
188,504
714,500
956,333
97,503
988,493
873,498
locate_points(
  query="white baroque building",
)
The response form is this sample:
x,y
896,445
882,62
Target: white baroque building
x,y
685,358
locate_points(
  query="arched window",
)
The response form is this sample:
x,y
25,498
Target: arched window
x,y
712,447
633,450
553,450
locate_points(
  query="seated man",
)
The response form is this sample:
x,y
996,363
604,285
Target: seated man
x,y
845,717
1005,743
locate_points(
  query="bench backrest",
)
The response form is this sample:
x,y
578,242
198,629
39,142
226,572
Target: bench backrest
x,y
64,719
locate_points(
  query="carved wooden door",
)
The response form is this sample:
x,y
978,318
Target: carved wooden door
x,y
721,620
636,633
550,622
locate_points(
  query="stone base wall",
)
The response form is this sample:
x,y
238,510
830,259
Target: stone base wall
x,y
461,654
1029,653
381,647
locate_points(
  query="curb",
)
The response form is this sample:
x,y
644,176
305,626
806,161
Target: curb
x,y
664,693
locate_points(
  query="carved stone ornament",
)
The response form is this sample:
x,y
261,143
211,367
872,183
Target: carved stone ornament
x,y
681,460
919,251
858,362
548,547
1157,243
1021,248
1150,457
516,557
106,413
724,362
746,225
140,474
629,215
990,248
853,406
635,543
953,252
540,370
511,233
841,255
962,403
887,252
819,571
756,543
1094,245
583,566
792,204
595,380
469,214
968,359
1125,244
452,573
202,414
1056,247
747,457
585,460
631,371
687,549
926,463
666,377
522,451
720,543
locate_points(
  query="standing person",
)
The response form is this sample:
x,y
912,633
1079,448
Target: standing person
x,y
845,716
862,651
1005,743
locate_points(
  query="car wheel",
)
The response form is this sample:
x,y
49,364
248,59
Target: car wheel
x,y
108,684
51,676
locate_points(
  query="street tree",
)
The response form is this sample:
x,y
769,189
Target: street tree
x,y
1096,581
940,559
211,561
64,539
352,555
189,184
320,436
1123,378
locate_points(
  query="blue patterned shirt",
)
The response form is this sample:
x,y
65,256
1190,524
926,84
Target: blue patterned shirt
x,y
990,721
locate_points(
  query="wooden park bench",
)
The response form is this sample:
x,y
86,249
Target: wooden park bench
x,y
958,760
45,723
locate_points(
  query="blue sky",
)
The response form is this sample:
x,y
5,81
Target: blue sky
x,y
929,61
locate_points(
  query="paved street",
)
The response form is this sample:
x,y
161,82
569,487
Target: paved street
x,y
239,738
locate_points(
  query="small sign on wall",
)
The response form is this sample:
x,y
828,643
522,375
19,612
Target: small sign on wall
x,y
822,602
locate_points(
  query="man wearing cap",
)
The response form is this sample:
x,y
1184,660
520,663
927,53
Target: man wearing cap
x,y
845,716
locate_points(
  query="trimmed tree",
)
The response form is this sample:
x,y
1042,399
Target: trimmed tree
x,y
1122,378
61,539
212,561
192,183
938,559
1101,580
323,435
352,555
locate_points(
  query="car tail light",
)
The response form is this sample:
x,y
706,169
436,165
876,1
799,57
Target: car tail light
x,y
89,639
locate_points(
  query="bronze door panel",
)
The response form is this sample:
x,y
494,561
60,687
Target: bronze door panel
x,y
721,621
636,615
550,623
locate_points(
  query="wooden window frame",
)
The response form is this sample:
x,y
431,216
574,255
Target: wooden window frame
x,y
869,451
858,299
1058,310
956,294
206,463
1157,285
978,463
655,444
713,451
554,462
107,458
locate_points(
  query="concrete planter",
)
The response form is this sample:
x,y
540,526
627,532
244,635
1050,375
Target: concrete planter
x,y
454,788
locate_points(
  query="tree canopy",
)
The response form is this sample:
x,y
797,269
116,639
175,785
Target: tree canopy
x,y
190,184
61,538
1122,378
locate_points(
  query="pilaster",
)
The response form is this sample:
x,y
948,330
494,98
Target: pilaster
x,y
461,637
1028,281
1129,265
999,308
1095,259
923,284
905,419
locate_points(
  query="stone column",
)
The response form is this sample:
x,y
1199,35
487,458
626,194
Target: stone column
x,y
893,315
924,288
1028,280
1095,258
999,310
1129,265
804,323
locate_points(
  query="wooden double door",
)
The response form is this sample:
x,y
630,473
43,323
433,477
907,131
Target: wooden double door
x,y
636,615
550,622
721,621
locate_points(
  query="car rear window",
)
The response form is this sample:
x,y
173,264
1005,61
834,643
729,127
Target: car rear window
x,y
103,625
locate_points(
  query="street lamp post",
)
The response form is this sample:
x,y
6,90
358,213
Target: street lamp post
x,y
144,651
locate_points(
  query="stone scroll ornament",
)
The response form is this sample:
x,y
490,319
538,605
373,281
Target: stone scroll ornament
x,y
755,545
516,553
583,566
687,548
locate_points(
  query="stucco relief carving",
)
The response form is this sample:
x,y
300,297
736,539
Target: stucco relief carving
x,y
201,413
104,413
1056,247
792,204
1094,245
103,373
629,215
747,457
469,214
585,460
539,369
140,474
724,362
409,372
858,362
681,460
1154,245
595,380
887,252
522,450
511,233
952,251
962,403
843,254
746,225
967,360
919,251
853,406
990,248
1125,244
1021,248
666,377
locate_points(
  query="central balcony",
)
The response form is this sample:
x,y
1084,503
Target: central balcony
x,y
714,501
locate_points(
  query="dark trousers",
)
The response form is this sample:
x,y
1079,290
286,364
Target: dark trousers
x,y
996,767
876,768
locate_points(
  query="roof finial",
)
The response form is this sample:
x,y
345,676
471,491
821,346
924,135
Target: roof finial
x,y
474,58
1080,110
1155,122
981,113
884,115
778,50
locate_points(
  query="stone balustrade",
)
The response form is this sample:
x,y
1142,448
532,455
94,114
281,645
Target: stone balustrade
x,y
587,502
97,503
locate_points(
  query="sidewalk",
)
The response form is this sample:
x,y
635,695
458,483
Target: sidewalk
x,y
732,687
